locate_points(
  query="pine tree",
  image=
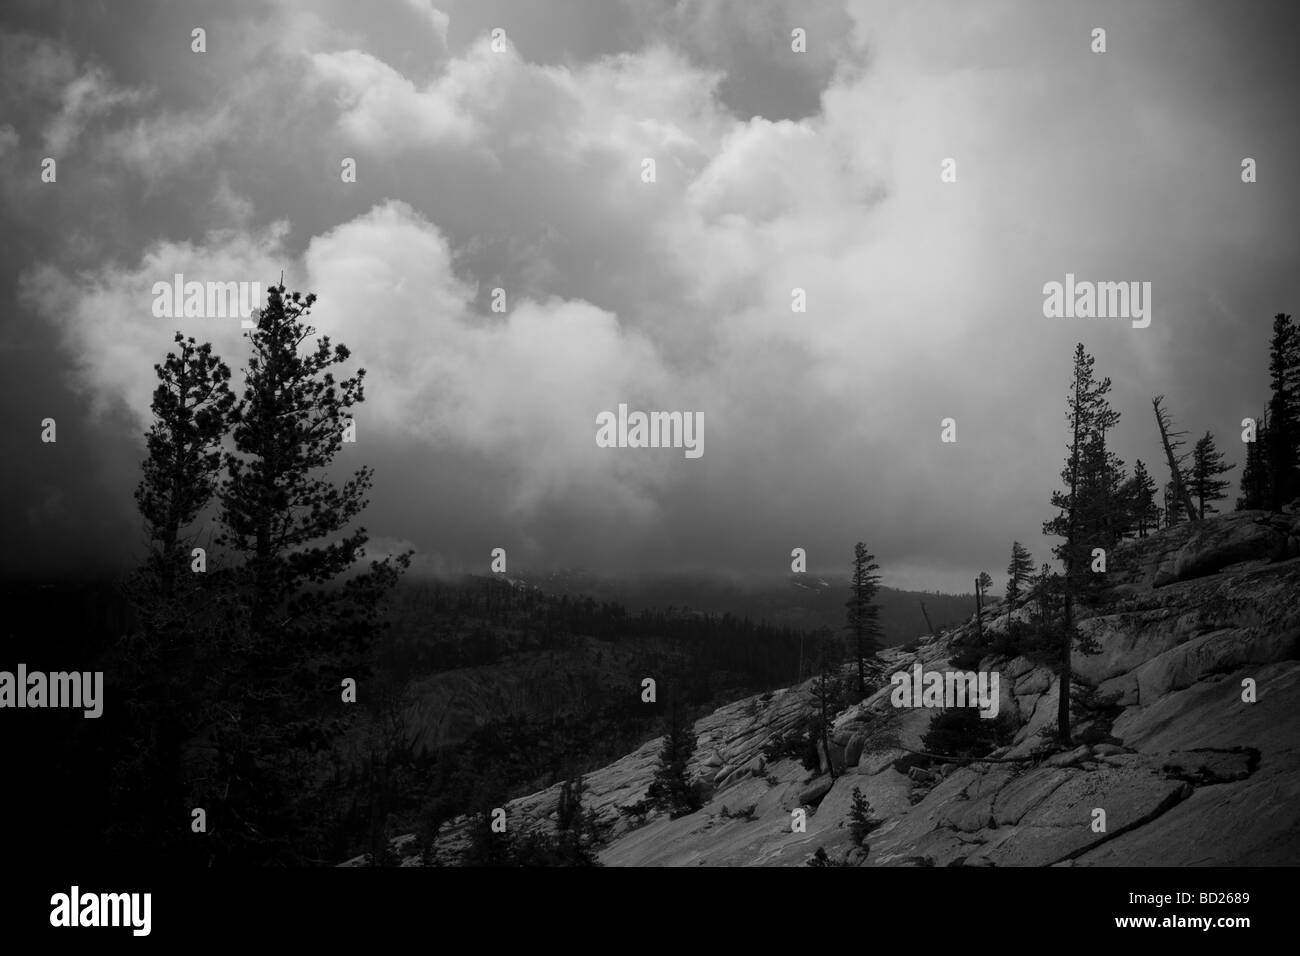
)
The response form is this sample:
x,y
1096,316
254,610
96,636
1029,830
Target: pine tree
x,y
1142,497
1045,587
863,613
1255,492
156,665
671,788
982,583
861,820
193,408
1207,464
488,847
1088,414
297,631
1283,449
1104,511
1018,573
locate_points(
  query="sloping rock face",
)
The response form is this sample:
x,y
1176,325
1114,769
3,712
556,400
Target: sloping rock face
x,y
1196,763
1195,549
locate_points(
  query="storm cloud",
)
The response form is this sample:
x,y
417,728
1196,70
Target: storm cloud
x,y
522,170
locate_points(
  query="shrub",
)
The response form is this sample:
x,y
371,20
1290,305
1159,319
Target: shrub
x,y
821,859
861,821
962,732
968,658
636,812
792,745
744,813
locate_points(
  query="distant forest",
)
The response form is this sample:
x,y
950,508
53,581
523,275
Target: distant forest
x,y
477,691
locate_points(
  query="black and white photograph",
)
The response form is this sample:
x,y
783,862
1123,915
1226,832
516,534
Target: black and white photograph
x,y
644,435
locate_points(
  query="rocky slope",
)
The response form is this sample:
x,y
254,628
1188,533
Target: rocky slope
x,y
1187,772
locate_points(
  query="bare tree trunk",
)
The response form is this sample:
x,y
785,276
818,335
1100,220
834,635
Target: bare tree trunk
x,y
928,625
1183,498
826,724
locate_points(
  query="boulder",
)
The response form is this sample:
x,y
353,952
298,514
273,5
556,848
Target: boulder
x,y
1016,668
1248,823
1213,653
1126,641
875,761
813,793
1123,690
1214,545
1035,681
1070,758
1209,766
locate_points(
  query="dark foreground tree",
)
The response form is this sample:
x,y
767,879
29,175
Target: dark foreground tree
x,y
155,665
193,409
302,615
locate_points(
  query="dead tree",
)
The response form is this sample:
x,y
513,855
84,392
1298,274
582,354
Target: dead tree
x,y
928,625
1169,439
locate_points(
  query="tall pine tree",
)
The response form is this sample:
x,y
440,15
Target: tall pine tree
x,y
193,408
863,612
1088,415
1283,447
1255,492
157,666
1019,572
1205,486
1142,499
302,630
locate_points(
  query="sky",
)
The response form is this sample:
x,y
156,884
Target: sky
x,y
521,168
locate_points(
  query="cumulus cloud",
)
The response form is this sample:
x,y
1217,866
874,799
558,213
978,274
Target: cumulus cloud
x,y
105,319
380,107
923,298
520,390
436,18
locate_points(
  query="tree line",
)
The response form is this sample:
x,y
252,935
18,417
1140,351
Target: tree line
x,y
1099,505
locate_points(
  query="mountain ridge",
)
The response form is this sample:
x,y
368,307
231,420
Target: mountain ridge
x,y
1176,764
